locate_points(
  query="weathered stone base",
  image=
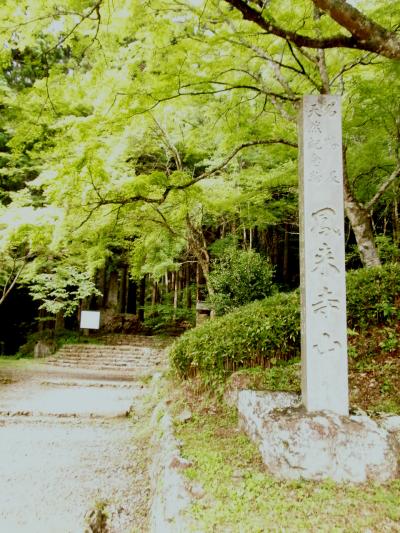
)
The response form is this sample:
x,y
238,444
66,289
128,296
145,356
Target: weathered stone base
x,y
295,444
44,348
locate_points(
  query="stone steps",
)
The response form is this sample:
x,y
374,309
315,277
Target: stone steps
x,y
104,355
115,353
106,347
130,340
109,357
94,361
102,366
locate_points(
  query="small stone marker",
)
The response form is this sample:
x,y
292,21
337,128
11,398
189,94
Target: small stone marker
x,y
323,290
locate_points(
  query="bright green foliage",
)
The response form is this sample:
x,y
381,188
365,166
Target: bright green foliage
x,y
62,289
248,336
113,109
26,233
269,330
162,318
389,252
239,277
373,295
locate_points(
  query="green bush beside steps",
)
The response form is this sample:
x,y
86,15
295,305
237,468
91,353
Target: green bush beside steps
x,y
269,330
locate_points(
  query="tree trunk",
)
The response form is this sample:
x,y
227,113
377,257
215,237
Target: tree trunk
x,y
198,247
188,290
175,278
285,268
131,304
123,289
142,298
361,224
396,221
113,292
154,294
59,323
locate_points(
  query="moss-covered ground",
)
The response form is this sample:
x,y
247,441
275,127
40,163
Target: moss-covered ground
x,y
239,494
241,497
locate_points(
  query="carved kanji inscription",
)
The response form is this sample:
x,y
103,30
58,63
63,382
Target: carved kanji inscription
x,y
325,260
326,345
325,302
324,220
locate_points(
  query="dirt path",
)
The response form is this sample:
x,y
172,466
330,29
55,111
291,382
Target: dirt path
x,y
67,447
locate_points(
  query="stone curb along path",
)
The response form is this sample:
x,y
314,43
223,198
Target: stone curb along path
x,y
171,495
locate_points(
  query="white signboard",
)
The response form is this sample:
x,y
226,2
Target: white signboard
x,y
90,319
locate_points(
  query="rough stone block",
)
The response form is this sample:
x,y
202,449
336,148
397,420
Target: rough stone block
x,y
296,444
44,349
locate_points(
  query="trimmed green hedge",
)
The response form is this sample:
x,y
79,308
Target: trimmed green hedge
x,y
373,295
269,330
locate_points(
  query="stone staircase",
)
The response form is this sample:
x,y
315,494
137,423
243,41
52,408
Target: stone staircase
x,y
141,353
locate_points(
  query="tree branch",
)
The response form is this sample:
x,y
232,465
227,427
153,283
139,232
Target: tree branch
x,y
8,288
169,145
375,37
383,188
169,188
365,34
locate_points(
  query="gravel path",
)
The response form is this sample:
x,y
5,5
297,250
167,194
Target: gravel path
x,y
67,448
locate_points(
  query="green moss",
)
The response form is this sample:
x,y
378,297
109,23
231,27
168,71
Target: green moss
x,y
242,498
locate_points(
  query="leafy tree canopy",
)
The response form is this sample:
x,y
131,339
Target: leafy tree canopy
x,y
141,122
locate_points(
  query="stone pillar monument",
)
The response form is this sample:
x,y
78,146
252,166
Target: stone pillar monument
x,y
331,444
323,290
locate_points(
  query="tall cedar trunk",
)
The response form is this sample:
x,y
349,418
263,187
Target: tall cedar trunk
x,y
142,298
361,224
59,321
188,291
131,304
396,221
112,302
285,270
124,289
175,278
197,282
166,284
154,294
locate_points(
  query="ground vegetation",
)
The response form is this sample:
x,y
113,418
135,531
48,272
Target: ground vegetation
x,y
135,136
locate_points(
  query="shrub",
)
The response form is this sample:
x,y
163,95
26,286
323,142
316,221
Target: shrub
x,y
388,250
249,336
264,331
239,277
373,295
164,317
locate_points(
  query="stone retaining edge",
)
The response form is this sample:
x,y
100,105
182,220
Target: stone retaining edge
x,y
171,497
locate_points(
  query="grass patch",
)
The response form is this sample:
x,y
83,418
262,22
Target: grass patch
x,y
17,362
280,376
241,497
